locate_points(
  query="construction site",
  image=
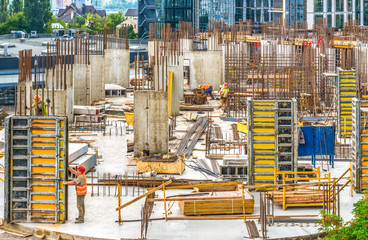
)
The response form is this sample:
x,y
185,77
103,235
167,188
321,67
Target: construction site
x,y
229,133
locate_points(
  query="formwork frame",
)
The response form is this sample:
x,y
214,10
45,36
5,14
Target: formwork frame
x,y
36,163
347,90
360,145
272,141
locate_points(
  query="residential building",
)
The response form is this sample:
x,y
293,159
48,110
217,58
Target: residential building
x,y
132,13
129,22
68,13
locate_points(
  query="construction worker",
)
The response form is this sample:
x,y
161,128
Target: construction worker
x,y
207,90
81,189
40,107
224,92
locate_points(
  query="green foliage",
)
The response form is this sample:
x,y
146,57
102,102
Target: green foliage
x,y
4,13
80,21
132,34
16,6
53,19
37,13
16,22
115,19
95,23
357,228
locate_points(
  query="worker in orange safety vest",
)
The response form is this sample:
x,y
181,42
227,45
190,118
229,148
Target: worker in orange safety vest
x,y
81,189
207,90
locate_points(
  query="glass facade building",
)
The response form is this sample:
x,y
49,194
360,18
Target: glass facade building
x,y
174,11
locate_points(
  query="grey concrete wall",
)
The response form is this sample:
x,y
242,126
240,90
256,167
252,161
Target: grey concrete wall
x,y
82,84
205,68
151,127
177,88
97,78
117,68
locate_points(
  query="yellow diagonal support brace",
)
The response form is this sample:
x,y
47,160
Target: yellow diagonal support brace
x,y
144,195
171,74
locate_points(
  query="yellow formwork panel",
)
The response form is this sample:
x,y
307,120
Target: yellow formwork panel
x,y
263,113
346,98
43,189
61,195
365,163
258,169
263,130
43,214
43,144
43,197
263,184
43,120
346,93
264,138
264,162
346,105
262,151
257,177
262,103
365,146
263,124
42,182
43,152
43,139
271,118
364,186
262,107
43,132
42,206
264,145
342,122
42,125
264,156
364,178
44,160
43,169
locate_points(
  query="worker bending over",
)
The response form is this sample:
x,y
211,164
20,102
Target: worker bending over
x,y
40,107
81,188
207,90
224,92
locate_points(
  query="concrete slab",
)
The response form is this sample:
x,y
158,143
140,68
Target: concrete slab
x,y
76,150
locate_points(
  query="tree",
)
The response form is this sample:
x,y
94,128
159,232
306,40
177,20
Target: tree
x,y
16,22
52,20
357,228
3,10
37,13
80,21
16,6
132,34
116,18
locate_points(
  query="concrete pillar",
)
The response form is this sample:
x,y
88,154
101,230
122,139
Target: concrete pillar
x,y
205,68
82,84
325,9
151,125
97,77
361,12
333,13
177,87
345,11
117,69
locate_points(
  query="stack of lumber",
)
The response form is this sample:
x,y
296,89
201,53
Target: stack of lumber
x,y
89,114
298,197
217,203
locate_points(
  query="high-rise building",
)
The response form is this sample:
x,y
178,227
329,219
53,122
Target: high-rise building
x,y
146,15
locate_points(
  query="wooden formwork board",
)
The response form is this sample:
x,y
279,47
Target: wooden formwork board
x,y
219,203
175,167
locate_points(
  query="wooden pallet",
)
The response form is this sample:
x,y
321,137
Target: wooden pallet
x,y
218,203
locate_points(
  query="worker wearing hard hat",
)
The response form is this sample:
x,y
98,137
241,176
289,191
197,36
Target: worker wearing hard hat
x,y
40,107
207,90
81,188
224,92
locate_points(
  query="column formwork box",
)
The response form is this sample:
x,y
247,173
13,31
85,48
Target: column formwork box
x,y
360,145
272,139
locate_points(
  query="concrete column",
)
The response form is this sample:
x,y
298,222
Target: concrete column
x,y
177,87
97,77
82,84
345,11
117,68
333,13
151,125
325,9
354,8
361,12
283,9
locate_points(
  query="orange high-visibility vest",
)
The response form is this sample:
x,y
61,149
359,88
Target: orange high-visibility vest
x,y
82,190
206,86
